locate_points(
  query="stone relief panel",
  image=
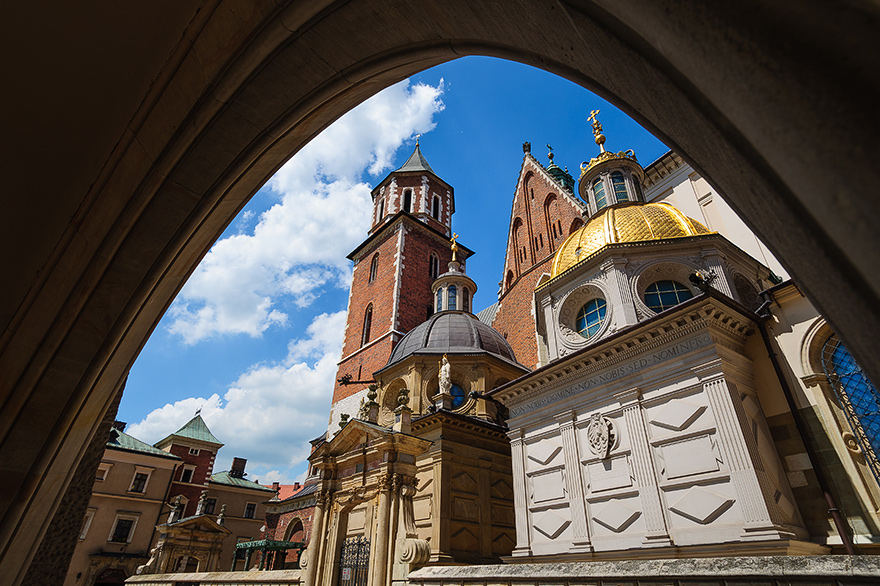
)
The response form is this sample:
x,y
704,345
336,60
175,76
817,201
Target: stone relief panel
x,y
702,505
689,457
609,474
617,517
671,417
547,486
464,482
617,437
551,524
465,509
544,454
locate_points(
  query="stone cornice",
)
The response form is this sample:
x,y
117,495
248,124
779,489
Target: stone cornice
x,y
467,423
704,313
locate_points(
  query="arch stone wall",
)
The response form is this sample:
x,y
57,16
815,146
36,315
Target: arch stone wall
x,y
140,132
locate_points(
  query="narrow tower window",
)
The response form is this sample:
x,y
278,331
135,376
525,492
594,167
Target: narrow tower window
x,y
465,299
407,200
440,299
368,322
599,193
619,186
433,266
450,297
374,266
380,211
435,208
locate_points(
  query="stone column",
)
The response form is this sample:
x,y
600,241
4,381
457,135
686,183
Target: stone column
x,y
379,554
315,542
657,533
574,483
734,449
441,511
520,497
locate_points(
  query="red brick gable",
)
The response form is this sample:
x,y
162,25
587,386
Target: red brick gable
x,y
542,216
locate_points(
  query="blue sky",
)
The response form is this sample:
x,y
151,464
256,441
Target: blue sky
x,y
254,336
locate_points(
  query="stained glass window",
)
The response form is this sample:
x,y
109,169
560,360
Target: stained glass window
x,y
450,297
662,295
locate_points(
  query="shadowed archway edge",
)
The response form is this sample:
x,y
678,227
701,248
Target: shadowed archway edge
x,y
247,86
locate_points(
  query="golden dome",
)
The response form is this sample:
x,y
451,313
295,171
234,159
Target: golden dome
x,y
637,222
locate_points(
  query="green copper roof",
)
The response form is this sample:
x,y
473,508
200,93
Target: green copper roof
x,y
228,480
195,429
122,441
416,162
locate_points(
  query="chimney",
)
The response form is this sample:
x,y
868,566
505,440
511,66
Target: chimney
x,y
119,425
238,465
276,486
296,486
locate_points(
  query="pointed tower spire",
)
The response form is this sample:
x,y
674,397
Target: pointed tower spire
x,y
416,161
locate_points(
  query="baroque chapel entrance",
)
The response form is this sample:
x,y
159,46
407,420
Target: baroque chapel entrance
x,y
354,561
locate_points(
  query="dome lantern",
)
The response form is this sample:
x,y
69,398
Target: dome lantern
x,y
453,290
609,178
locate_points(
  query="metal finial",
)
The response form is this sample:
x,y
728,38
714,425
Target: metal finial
x,y
417,139
597,130
454,245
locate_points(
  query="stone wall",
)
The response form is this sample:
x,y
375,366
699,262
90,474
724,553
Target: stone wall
x,y
264,578
52,559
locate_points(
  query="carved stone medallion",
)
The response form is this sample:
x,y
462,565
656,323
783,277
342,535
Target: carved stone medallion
x,y
600,435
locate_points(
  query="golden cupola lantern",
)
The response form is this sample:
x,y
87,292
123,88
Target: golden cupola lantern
x,y
609,178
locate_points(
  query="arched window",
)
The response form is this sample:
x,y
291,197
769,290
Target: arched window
x,y
440,299
509,279
407,200
450,297
380,211
662,295
599,193
858,397
435,208
433,266
368,322
619,186
575,224
590,317
374,267
465,299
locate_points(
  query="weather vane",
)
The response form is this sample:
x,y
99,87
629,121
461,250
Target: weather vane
x,y
454,245
418,136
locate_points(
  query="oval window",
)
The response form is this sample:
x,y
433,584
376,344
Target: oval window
x,y
662,295
457,396
590,317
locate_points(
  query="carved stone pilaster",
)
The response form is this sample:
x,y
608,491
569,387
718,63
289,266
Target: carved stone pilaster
x,y
520,500
574,482
657,532
734,449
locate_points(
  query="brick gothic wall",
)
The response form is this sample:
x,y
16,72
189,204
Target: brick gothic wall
x,y
278,523
52,559
542,217
405,247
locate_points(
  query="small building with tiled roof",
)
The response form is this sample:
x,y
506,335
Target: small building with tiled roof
x,y
126,504
244,499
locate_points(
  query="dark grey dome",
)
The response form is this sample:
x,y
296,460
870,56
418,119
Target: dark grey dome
x,y
452,332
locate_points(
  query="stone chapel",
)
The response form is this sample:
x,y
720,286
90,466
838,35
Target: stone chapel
x,y
645,387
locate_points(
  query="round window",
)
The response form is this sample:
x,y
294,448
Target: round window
x,y
662,295
590,317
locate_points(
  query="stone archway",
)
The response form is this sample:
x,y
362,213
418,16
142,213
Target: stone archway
x,y
751,94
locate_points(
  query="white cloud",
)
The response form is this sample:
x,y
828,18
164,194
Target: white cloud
x,y
249,281
271,412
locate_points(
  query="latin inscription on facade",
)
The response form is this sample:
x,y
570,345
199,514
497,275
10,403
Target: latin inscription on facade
x,y
628,368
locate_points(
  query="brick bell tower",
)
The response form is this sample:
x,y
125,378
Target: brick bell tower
x,y
407,246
